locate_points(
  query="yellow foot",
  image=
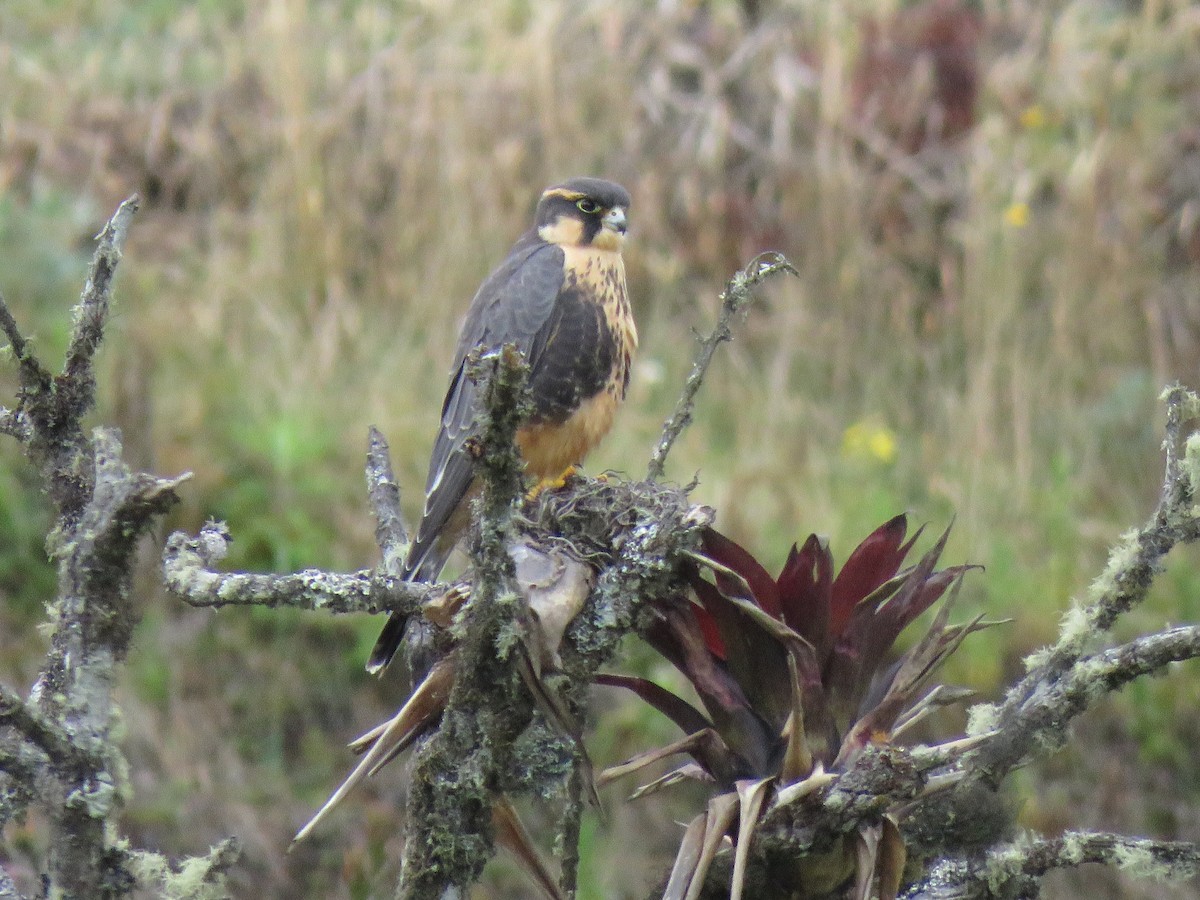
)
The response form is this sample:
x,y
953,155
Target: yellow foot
x,y
551,484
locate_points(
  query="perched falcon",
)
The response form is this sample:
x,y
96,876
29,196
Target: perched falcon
x,y
560,297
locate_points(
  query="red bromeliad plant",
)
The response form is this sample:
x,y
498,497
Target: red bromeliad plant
x,y
794,672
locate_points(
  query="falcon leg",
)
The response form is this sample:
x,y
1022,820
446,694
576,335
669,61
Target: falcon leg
x,y
551,484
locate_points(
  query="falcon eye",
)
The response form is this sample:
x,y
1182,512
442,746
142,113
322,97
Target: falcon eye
x,y
587,206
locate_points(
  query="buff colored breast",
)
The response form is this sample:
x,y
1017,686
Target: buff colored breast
x,y
550,448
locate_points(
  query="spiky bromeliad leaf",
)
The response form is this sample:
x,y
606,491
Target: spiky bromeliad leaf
x,y
774,659
676,635
875,625
805,588
873,563
794,675
392,737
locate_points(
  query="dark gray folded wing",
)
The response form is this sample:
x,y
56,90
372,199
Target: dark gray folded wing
x,y
513,306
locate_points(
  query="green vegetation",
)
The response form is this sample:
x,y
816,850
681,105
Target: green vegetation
x,y
990,299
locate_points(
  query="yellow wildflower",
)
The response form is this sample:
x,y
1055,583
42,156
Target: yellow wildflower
x,y
1017,215
867,440
1033,117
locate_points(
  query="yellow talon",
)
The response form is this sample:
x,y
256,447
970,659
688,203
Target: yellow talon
x,y
551,484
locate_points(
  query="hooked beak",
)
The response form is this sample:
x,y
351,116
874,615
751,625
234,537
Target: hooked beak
x,y
614,219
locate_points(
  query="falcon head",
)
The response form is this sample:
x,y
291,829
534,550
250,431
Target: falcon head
x,y
583,212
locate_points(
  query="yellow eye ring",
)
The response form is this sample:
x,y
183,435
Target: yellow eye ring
x,y
587,206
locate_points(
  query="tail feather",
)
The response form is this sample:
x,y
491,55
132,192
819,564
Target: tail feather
x,y
388,643
427,567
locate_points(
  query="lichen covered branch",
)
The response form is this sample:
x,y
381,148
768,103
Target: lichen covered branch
x,y
1058,678
1016,869
103,509
189,564
735,300
41,732
461,767
189,573
53,407
1039,724
383,492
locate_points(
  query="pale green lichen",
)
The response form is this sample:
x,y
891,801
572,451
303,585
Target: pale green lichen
x,y
1076,625
1136,858
1189,401
1074,848
1091,675
98,798
1004,862
195,878
1075,630
1037,658
1191,463
1120,560
982,718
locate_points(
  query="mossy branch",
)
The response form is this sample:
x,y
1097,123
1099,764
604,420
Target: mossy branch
x,y
50,409
190,564
41,733
463,764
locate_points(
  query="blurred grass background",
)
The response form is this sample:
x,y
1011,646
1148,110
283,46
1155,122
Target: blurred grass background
x,y
994,207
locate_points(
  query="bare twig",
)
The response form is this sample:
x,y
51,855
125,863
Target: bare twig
x,y
34,377
734,301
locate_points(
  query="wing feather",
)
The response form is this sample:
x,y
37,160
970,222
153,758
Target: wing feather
x,y
513,305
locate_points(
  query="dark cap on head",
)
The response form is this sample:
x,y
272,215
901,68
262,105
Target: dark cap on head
x,y
606,193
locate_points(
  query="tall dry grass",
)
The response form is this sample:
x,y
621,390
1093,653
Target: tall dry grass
x,y
992,207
